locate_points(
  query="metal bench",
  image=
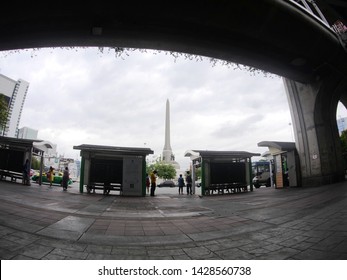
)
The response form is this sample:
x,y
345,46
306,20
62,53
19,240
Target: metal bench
x,y
105,187
226,188
13,175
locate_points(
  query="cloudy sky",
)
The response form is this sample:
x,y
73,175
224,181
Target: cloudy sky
x,y
84,96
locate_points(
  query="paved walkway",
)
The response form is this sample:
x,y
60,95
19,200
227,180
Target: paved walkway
x,y
42,222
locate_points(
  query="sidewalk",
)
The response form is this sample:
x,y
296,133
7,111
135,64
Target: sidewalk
x,y
42,222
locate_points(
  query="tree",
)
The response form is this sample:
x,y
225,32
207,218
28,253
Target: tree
x,y
198,173
35,163
343,138
3,112
165,171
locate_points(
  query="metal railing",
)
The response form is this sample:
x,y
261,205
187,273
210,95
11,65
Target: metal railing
x,y
337,27
313,8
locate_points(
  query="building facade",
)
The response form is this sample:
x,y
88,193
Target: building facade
x,y
342,125
15,93
27,133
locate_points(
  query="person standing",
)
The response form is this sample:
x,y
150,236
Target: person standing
x,y
148,183
180,184
153,181
50,175
189,183
66,177
26,173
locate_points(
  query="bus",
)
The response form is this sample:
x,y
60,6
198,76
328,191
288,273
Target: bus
x,y
261,171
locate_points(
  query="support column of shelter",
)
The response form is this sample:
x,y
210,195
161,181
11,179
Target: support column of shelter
x,y
82,175
313,108
41,168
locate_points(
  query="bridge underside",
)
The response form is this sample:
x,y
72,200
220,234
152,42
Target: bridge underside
x,y
273,35
267,34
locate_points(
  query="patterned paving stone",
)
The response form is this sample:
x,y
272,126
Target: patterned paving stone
x,y
46,223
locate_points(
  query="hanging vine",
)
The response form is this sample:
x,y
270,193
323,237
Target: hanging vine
x,y
123,53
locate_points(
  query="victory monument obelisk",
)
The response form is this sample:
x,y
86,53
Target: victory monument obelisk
x,y
168,156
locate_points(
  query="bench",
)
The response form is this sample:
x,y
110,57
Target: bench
x,y
105,187
13,175
226,188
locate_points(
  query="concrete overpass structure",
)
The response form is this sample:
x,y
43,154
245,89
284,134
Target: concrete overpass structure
x,y
278,36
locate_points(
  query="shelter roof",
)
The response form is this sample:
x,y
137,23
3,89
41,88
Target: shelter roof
x,y
114,150
282,146
45,144
220,154
18,142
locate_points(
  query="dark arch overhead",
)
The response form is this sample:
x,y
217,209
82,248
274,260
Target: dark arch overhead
x,y
274,35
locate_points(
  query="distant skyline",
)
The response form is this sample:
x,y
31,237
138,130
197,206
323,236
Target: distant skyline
x,y
82,96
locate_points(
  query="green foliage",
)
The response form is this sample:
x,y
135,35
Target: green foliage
x,y
165,171
198,173
343,139
35,163
3,111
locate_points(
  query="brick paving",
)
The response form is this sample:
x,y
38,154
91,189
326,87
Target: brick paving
x,y
42,222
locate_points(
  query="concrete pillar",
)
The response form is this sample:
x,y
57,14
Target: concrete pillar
x,y
313,109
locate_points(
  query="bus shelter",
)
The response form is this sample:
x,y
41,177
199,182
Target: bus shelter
x,y
286,162
13,154
222,171
110,168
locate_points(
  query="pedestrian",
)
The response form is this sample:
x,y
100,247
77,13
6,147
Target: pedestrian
x,y
148,182
153,181
286,178
180,184
66,177
189,183
26,173
50,175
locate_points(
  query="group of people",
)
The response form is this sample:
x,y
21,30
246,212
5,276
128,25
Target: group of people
x,y
151,183
49,175
66,177
187,183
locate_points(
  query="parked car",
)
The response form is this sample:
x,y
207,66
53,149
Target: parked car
x,y
168,183
57,178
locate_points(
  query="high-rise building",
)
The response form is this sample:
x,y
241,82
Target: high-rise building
x,y
15,93
27,133
341,124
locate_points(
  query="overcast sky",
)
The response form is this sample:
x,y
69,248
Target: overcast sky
x,y
83,96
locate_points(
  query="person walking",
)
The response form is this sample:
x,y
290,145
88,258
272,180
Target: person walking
x,y
153,182
66,177
189,183
180,184
50,175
